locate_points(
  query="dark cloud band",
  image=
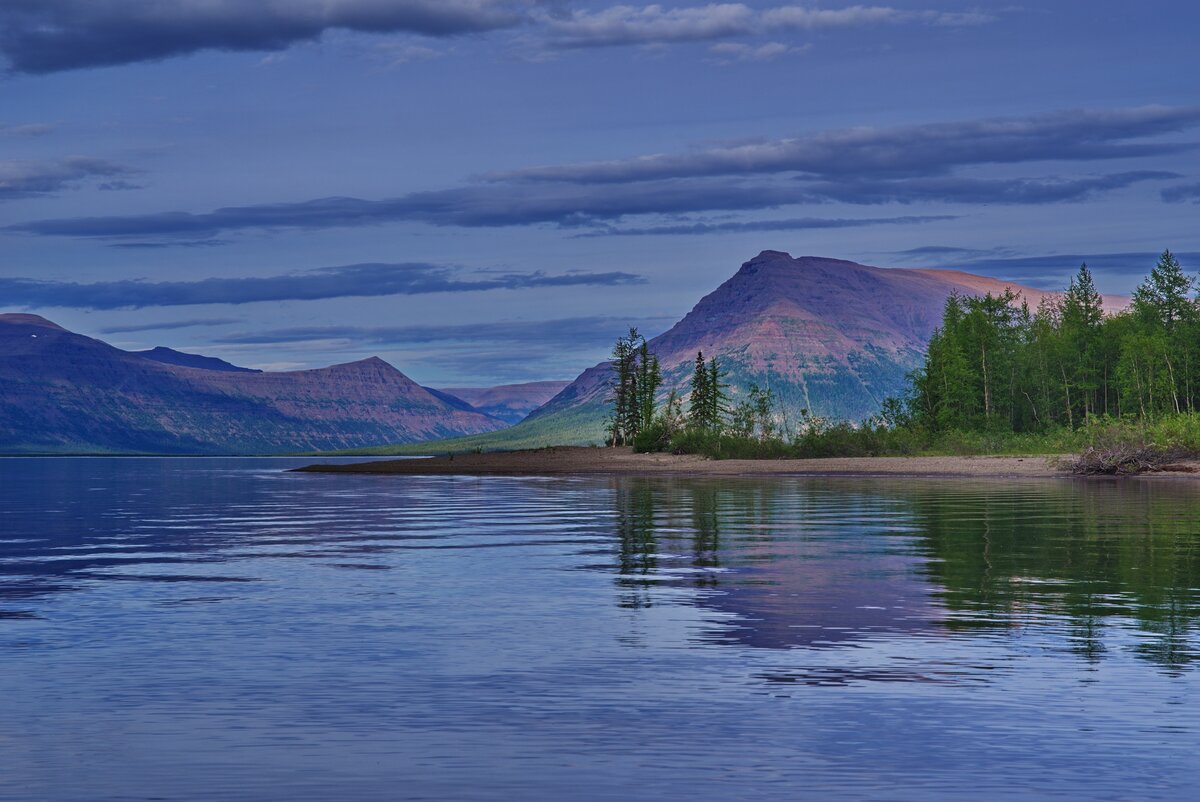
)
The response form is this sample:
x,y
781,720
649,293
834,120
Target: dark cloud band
x,y
1182,193
333,282
43,36
904,151
578,206
567,331
738,227
24,179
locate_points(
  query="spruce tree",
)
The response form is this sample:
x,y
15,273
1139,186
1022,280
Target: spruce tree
x,y
716,395
1082,314
623,423
700,401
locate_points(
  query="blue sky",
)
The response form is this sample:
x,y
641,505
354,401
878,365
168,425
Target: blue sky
x,y
483,191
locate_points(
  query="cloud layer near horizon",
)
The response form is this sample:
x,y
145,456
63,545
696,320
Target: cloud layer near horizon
x,y
861,166
346,281
573,331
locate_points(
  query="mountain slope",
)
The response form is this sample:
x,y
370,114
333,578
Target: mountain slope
x,y
827,335
62,392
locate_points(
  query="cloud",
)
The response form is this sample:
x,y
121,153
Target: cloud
x,y
44,36
865,166
563,332
794,224
1182,193
913,150
576,206
360,280
471,207
174,243
24,179
730,52
397,54
1120,271
623,25
952,252
1020,191
172,325
800,17
26,129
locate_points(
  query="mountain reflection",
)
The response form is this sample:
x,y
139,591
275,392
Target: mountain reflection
x,y
814,562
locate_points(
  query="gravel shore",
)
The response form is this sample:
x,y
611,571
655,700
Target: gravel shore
x,y
572,460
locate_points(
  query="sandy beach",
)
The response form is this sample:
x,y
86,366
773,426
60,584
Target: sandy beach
x,y
577,460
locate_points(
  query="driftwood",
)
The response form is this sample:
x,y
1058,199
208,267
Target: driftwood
x,y
1127,459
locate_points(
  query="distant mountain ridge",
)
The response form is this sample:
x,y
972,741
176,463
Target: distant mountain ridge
x,y
828,335
170,356
62,392
508,402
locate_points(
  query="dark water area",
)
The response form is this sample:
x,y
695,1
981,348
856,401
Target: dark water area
x,y
219,629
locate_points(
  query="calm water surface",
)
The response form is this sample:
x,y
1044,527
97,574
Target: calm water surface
x,y
220,629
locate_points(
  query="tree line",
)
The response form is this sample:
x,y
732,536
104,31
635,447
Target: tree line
x,y
636,418
994,364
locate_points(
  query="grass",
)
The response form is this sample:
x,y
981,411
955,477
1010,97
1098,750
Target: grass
x,y
844,440
1103,445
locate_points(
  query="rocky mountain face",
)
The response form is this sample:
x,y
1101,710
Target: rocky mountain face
x,y
826,335
63,392
508,402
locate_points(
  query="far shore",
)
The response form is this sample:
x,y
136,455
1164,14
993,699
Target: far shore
x,y
567,460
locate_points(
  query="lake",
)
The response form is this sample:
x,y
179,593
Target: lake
x,y
219,629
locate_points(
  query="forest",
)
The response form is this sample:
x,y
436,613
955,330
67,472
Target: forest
x,y
997,364
998,377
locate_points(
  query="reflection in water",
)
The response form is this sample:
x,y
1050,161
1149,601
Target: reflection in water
x,y
823,561
220,630
1090,552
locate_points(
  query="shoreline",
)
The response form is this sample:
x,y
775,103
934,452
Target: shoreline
x,y
579,460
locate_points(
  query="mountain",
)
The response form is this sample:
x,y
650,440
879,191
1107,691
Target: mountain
x,y
170,356
508,402
62,392
827,335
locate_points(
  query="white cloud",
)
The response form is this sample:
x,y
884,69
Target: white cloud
x,y
729,52
658,24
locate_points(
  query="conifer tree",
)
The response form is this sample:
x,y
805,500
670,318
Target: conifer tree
x,y
716,394
1082,314
699,403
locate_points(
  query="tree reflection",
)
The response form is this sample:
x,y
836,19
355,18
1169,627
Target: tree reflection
x,y
1086,551
806,562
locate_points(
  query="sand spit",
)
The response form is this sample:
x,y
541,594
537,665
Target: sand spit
x,y
572,460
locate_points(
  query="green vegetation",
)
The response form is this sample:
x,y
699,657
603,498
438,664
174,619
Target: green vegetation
x,y
574,426
994,365
636,380
999,378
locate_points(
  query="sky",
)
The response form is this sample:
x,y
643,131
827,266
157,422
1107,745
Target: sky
x,y
491,191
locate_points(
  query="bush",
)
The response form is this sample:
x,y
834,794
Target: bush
x,y
655,437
